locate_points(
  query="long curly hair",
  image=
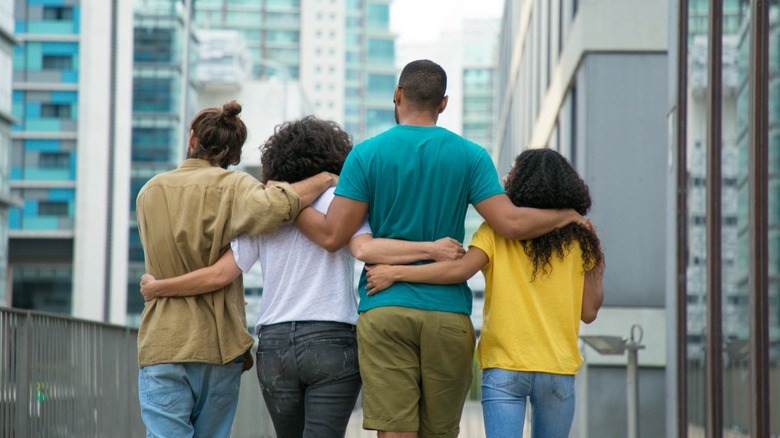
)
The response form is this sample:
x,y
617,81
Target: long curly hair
x,y
543,178
219,135
303,148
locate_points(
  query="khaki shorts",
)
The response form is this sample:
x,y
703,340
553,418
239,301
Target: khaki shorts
x,y
416,367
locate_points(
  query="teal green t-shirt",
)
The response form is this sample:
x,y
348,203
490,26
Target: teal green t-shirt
x,y
418,182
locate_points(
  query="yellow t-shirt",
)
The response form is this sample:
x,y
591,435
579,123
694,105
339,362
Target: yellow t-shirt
x,y
529,325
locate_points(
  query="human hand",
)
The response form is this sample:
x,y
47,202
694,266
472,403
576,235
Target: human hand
x,y
148,289
379,278
577,218
447,248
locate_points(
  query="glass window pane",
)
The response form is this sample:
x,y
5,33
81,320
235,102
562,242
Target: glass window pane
x,y
774,217
696,283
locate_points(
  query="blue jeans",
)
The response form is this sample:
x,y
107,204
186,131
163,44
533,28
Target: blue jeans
x,y
308,371
189,399
504,395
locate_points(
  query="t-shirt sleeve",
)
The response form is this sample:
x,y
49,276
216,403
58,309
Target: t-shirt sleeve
x,y
484,239
365,228
246,250
484,181
353,180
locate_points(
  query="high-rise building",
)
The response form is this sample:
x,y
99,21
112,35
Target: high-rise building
x,y
588,78
7,42
341,51
164,100
70,157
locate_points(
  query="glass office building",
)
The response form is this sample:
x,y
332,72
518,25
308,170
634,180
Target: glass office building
x,y
43,152
7,42
725,122
341,51
68,150
161,110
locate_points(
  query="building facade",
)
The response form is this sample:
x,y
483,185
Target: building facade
x,y
724,275
163,101
587,78
7,42
69,154
341,51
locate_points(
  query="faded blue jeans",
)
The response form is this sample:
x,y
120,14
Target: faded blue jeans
x,y
504,397
189,399
308,371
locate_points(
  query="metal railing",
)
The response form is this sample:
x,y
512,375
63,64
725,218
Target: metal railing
x,y
64,377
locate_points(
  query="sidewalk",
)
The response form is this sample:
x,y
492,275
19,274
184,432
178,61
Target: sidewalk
x,y
470,423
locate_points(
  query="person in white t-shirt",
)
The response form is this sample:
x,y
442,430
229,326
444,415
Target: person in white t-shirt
x,y
307,361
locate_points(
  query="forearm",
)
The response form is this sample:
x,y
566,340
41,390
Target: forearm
x,y
592,295
311,188
373,250
432,273
198,282
530,223
523,223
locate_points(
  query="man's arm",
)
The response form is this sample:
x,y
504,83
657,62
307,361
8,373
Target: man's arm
x,y
311,188
369,249
198,282
512,222
380,277
333,230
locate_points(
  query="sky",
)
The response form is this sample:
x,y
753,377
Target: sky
x,y
418,21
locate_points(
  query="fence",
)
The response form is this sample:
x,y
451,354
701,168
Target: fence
x,y
63,377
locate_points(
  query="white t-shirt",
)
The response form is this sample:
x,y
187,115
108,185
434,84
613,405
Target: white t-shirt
x,y
301,280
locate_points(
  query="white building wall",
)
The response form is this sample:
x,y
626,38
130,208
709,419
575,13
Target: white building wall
x,y
96,202
322,55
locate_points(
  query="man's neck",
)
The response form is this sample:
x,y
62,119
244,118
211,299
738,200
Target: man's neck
x,y
418,118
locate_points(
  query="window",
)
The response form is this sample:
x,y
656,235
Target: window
x,y
57,62
55,13
53,208
54,160
55,111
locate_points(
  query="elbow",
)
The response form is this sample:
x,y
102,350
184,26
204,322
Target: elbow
x,y
589,317
332,244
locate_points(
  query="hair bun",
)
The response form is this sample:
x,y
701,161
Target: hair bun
x,y
231,109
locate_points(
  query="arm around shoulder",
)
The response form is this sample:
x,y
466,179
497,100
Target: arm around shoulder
x,y
333,230
512,222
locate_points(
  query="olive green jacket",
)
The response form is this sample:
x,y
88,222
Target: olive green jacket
x,y
187,218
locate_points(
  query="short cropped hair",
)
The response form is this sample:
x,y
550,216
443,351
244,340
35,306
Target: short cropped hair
x,y
424,83
303,148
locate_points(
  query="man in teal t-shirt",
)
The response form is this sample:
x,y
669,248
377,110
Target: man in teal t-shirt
x,y
415,181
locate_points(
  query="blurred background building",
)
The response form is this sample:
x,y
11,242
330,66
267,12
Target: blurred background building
x,y
164,100
341,52
69,157
7,42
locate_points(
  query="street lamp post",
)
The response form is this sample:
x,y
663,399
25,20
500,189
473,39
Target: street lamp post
x,y
617,345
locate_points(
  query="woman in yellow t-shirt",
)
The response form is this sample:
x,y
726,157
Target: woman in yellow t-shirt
x,y
536,293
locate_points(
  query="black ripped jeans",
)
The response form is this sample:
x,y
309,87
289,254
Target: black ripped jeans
x,y
308,371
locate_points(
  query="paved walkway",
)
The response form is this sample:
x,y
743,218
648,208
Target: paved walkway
x,y
470,423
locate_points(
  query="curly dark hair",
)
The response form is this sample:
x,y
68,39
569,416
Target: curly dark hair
x,y
543,178
303,148
220,134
